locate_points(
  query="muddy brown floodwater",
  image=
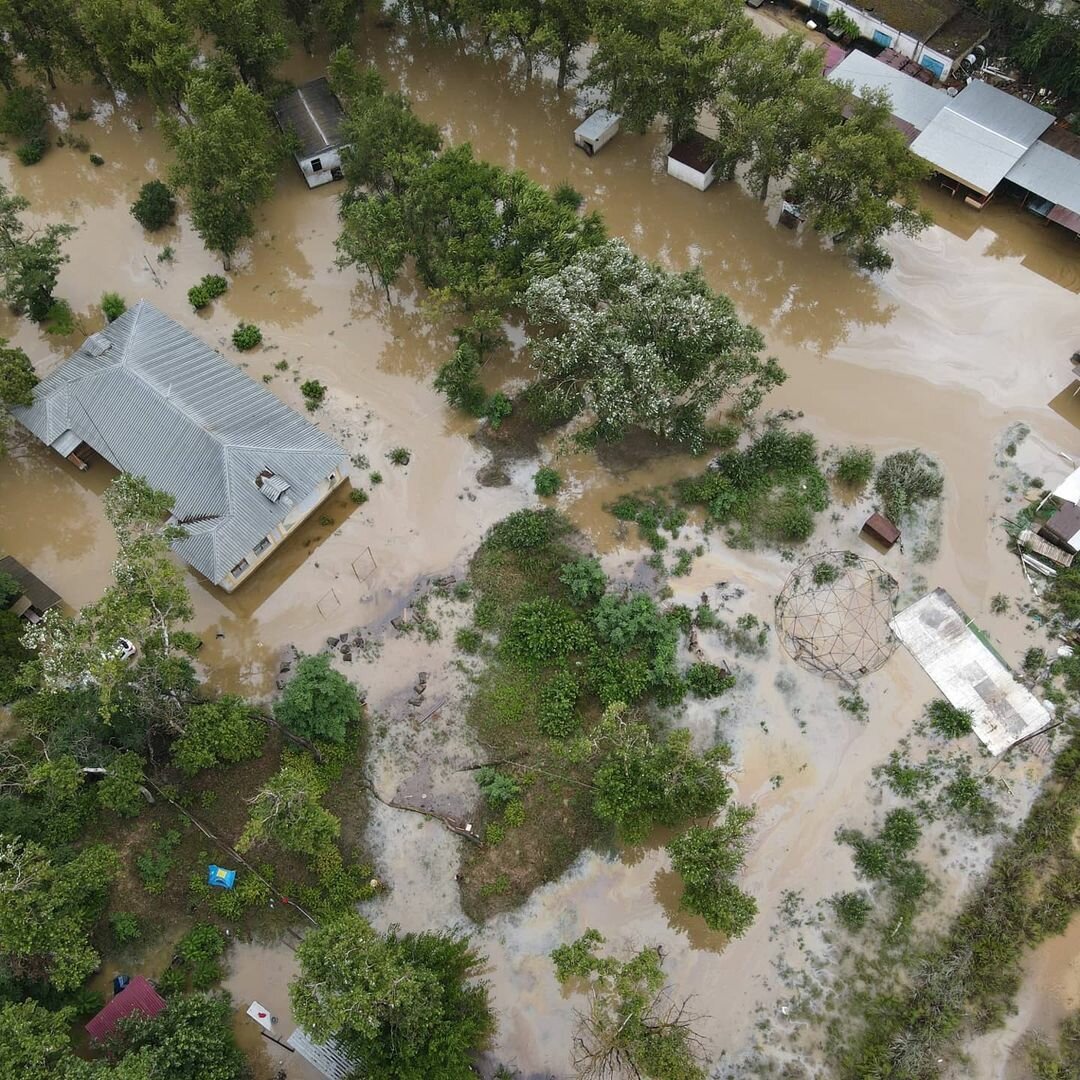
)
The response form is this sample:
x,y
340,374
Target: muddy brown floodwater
x,y
970,332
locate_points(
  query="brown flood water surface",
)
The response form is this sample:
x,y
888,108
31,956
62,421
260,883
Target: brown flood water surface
x,y
969,333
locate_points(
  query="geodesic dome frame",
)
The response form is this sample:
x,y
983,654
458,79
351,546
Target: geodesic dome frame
x,y
832,615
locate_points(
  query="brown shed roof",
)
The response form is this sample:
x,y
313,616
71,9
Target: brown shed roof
x,y
34,589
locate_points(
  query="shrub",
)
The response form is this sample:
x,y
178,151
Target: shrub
x,y
125,927
166,254
155,207
708,680
209,288
153,866
469,640
358,496
565,194
905,479
375,478
400,455
318,702
852,909
497,408
854,467
526,529
901,831
872,859
246,336
825,573
96,160
547,481
947,720
495,833
24,113
558,701
584,578
32,151
314,392
60,319
222,732
200,949
514,814
543,630
113,305
498,788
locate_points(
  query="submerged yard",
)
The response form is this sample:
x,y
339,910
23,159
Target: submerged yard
x,y
969,333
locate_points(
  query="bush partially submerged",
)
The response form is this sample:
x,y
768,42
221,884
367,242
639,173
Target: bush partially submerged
x,y
155,206
209,288
246,336
113,305
904,480
547,481
948,720
854,467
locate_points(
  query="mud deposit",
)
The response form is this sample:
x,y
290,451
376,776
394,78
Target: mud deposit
x,y
970,332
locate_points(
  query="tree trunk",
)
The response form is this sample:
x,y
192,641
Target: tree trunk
x,y
564,68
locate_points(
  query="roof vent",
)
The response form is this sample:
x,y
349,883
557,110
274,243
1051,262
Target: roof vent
x,y
273,487
97,344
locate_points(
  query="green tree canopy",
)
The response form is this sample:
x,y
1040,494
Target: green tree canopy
x,y
226,160
318,702
250,32
632,1027
30,261
221,732
17,382
287,811
48,910
48,37
406,1005
633,345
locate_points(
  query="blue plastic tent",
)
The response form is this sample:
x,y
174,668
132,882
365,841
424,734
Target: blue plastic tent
x,y
222,878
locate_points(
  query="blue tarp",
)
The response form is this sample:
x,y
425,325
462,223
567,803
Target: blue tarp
x,y
218,875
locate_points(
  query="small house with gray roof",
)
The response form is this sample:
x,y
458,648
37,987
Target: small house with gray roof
x,y
313,115
243,468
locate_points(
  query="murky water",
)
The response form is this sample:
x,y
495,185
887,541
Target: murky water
x,y
970,331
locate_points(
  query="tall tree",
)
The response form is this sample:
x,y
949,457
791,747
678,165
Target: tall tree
x,y
631,344
660,58
227,160
338,20
860,181
140,47
633,1026
30,260
250,32
48,37
17,382
405,1005
318,702
48,910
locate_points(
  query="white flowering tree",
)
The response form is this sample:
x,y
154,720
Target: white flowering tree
x,y
636,346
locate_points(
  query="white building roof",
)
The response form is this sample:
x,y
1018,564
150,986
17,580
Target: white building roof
x,y
1069,488
912,101
968,672
980,135
597,125
1051,174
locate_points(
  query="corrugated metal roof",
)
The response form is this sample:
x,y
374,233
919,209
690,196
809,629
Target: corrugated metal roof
x,y
980,135
912,101
38,593
314,114
137,996
162,404
328,1057
1050,173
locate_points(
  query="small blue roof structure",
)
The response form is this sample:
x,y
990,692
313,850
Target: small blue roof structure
x,y
219,876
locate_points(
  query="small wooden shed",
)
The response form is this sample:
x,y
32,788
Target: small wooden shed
x,y
313,114
693,161
596,131
881,529
36,597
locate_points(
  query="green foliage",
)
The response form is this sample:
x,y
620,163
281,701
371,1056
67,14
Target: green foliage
x,y
904,480
690,352
318,702
314,392
209,288
514,814
707,860
558,706
498,788
843,25
154,865
707,680
32,151
222,732
947,720
24,113
287,810
156,205
643,782
824,573
119,788
125,927
457,380
852,910
547,481
407,1005
770,490
246,336
400,455
200,950
358,496
631,1024
113,305
29,263
584,578
469,640
544,630
900,832
49,910
526,529
226,160
1062,1062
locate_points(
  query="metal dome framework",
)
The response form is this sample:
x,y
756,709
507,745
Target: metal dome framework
x,y
832,616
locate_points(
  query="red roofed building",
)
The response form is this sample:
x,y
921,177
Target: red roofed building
x,y
137,996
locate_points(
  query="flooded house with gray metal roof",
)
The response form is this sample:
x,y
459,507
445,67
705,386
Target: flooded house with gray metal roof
x,y
155,401
313,115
